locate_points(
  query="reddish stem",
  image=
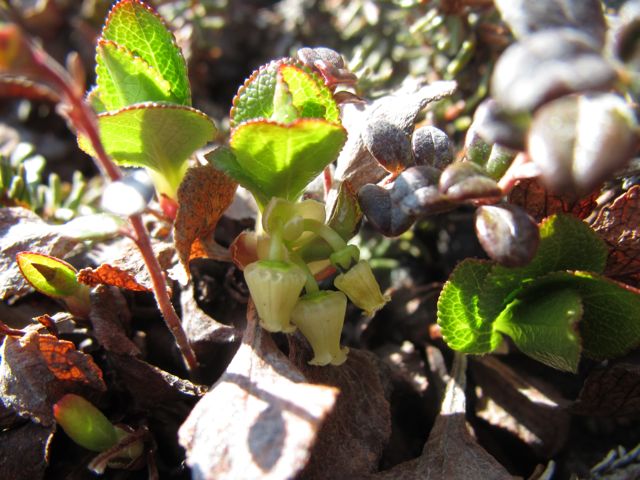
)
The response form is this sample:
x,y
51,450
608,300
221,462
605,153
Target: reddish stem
x,y
85,121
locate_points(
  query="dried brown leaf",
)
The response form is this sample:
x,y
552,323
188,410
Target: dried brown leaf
x,y
110,320
619,224
23,230
612,390
125,255
24,451
354,436
203,196
36,370
529,409
153,389
201,329
261,418
451,451
539,203
107,274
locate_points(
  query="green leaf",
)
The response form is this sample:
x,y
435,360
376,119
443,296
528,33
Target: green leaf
x,y
462,327
158,136
280,160
124,78
610,326
566,243
255,98
84,423
310,95
544,327
49,275
136,27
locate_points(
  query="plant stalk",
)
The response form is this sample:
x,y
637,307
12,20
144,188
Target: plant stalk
x,y
85,121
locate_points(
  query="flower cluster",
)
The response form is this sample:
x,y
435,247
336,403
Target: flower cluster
x,y
277,279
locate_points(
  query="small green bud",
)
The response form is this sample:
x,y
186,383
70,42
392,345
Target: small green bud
x,y
361,286
320,317
275,287
84,423
345,258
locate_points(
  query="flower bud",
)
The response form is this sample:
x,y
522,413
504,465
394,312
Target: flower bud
x,y
360,285
275,287
320,317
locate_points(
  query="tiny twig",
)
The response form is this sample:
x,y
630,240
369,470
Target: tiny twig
x,y
84,119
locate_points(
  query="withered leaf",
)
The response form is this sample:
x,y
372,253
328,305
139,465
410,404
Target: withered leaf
x,y
528,408
36,370
612,390
356,162
353,437
24,451
203,196
539,203
110,318
107,274
125,255
451,451
169,392
201,329
23,230
619,225
260,419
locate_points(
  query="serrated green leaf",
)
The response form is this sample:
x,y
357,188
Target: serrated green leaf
x,y
566,243
49,275
223,159
124,78
462,327
544,327
158,136
255,98
281,159
610,326
136,27
93,99
310,96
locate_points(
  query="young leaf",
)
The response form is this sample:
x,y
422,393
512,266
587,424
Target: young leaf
x,y
158,136
566,243
255,98
310,96
124,78
136,27
462,326
545,327
280,160
84,423
49,275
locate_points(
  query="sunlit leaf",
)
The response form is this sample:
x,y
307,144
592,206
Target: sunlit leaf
x,y
158,136
280,160
49,275
136,27
310,96
463,328
124,78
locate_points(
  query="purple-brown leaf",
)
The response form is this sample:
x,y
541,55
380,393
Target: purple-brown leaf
x,y
260,419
